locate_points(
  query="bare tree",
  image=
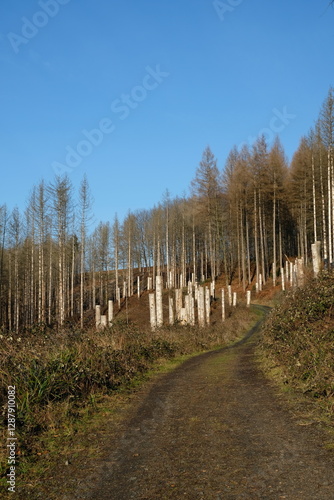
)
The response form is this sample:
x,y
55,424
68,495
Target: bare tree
x,y
15,233
3,230
206,189
85,205
116,247
327,135
60,192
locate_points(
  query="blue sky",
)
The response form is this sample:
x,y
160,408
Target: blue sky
x,y
131,92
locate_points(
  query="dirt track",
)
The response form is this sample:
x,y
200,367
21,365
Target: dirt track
x,y
214,429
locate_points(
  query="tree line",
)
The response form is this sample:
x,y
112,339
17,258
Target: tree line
x,y
243,221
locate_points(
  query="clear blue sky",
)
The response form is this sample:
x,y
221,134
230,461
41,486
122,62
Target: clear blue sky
x,y
161,79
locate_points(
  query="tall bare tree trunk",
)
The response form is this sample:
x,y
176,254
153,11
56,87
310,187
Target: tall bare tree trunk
x,y
183,257
194,250
257,263
262,242
329,201
324,226
314,203
242,250
248,251
50,282
274,235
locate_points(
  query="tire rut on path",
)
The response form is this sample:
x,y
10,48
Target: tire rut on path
x,y
215,428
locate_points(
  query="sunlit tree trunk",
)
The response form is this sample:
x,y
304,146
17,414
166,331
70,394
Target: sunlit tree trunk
x,y
257,264
3,227
323,208
84,207
60,192
116,253
314,203
274,234
262,241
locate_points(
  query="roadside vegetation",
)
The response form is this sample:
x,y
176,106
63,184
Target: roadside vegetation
x,y
67,381
61,378
298,341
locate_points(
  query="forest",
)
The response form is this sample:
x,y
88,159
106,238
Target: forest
x,y
242,222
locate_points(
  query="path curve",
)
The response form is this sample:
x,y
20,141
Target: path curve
x,y
215,428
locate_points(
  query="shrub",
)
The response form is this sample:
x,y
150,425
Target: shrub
x,y
299,337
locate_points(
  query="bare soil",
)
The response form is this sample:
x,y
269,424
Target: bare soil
x,y
214,428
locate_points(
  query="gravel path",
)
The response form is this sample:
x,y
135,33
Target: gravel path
x,y
214,428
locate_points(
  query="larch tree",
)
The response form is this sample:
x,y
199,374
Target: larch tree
x,y
61,205
129,234
231,196
327,134
207,190
300,195
116,234
259,168
277,167
85,206
14,298
3,232
42,221
319,153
